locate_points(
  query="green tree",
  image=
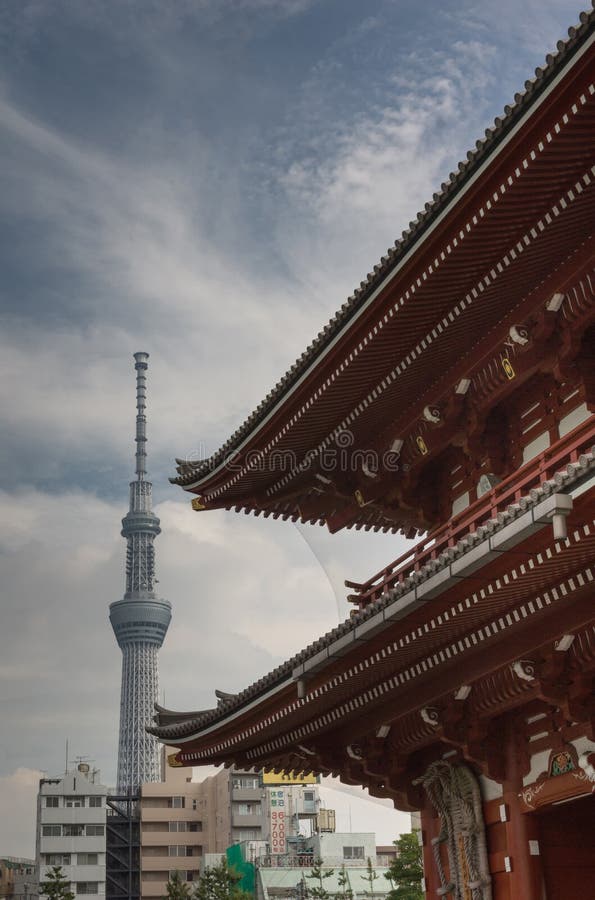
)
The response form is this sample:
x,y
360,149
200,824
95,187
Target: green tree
x,y
177,889
370,877
319,874
220,882
55,886
343,881
406,871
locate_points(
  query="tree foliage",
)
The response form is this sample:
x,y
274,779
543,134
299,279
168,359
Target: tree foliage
x,y
220,882
406,871
55,886
318,873
370,877
343,882
176,888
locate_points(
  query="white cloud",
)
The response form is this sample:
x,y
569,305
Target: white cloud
x,y
19,795
371,176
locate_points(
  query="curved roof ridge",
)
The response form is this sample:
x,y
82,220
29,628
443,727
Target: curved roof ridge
x,y
172,725
189,470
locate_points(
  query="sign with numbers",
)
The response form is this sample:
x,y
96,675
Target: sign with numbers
x,y
277,807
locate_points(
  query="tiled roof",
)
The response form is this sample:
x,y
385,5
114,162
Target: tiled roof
x,y
171,725
191,471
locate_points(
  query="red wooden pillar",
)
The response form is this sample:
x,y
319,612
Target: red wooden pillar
x,y
430,829
526,875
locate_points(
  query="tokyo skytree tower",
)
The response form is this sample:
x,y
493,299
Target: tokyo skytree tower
x,y
139,620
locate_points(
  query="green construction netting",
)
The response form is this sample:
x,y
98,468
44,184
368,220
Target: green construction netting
x,y
235,860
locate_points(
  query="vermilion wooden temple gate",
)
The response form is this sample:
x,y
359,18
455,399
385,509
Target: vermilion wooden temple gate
x,y
453,395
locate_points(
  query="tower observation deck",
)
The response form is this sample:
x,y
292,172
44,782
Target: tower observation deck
x,y
140,620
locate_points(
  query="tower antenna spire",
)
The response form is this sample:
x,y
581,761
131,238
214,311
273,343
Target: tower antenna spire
x,y
140,620
141,366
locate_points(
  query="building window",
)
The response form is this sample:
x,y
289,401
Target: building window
x,y
155,826
156,803
182,850
353,853
95,801
52,802
51,830
245,834
247,809
177,826
87,887
309,796
177,802
245,781
194,805
95,830
194,826
74,801
86,859
57,859
74,830
153,850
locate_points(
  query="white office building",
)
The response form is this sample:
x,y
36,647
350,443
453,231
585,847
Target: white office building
x,y
71,820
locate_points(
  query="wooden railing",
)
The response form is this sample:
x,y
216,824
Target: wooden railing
x,y
511,489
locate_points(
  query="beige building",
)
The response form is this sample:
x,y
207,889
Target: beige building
x,y
171,831
182,821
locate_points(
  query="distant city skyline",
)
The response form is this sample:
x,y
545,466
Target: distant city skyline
x,y
208,181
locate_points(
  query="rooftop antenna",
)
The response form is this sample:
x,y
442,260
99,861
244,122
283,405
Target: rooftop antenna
x,y
66,761
141,419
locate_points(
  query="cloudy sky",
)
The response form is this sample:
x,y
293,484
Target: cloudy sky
x,y
206,180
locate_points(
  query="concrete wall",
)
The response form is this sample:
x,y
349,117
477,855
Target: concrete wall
x,y
344,848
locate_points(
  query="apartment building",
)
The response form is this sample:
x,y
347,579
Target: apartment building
x,y
183,821
71,820
18,880
171,831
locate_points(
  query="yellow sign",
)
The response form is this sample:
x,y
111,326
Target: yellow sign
x,y
507,366
288,778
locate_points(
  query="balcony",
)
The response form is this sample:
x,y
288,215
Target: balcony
x,y
543,467
167,863
247,821
167,837
247,794
69,815
158,814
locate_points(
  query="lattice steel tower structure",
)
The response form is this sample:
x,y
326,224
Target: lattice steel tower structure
x,y
139,620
